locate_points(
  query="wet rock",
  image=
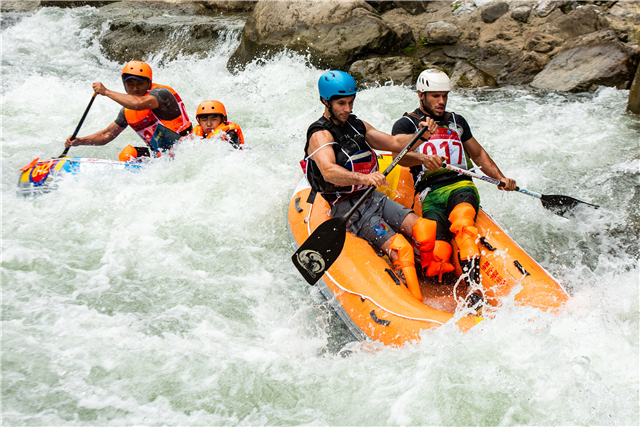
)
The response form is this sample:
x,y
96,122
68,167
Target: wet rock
x,y
466,75
19,6
441,32
521,13
141,30
634,94
493,11
398,70
333,33
584,67
229,6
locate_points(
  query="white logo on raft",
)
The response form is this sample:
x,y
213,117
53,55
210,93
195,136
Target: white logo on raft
x,y
311,261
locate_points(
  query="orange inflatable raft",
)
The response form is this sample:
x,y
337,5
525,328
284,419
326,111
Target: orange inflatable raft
x,y
364,291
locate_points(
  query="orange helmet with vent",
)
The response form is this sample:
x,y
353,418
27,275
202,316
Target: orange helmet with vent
x,y
211,107
137,68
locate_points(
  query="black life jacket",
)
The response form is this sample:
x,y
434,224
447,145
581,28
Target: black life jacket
x,y
352,152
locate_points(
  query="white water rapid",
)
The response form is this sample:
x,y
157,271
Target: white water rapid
x,y
168,297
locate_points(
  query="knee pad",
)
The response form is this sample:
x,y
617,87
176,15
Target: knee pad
x,y
441,260
463,226
424,238
128,153
406,263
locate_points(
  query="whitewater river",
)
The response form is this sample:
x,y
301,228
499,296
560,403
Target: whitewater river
x,y
168,297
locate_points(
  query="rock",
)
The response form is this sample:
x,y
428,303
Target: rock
x,y
541,42
141,30
463,7
399,70
544,8
229,6
333,33
466,75
521,13
523,68
634,94
413,7
18,6
583,67
493,11
441,32
576,23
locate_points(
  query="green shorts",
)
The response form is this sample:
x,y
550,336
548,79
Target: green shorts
x,y
438,204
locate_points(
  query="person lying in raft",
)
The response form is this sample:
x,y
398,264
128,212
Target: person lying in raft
x,y
449,199
341,164
212,121
155,112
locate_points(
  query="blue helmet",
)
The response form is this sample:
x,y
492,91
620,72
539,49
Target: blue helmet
x,y
336,83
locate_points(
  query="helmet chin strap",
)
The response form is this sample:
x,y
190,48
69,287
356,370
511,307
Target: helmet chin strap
x,y
331,115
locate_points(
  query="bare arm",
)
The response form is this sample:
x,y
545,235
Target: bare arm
x,y
332,172
481,158
102,137
396,143
132,102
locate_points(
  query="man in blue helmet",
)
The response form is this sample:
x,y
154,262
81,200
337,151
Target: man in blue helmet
x,y
341,164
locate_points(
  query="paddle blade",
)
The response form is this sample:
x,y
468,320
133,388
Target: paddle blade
x,y
562,205
321,249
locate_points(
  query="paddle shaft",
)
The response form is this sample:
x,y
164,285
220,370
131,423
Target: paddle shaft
x,y
75,133
491,180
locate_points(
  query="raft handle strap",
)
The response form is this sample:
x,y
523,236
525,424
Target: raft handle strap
x,y
297,203
378,320
520,268
486,244
393,276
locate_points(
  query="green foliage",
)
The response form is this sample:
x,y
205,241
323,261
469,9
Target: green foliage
x,y
409,50
455,6
424,41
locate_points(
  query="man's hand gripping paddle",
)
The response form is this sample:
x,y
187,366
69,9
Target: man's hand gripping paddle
x,y
560,205
325,244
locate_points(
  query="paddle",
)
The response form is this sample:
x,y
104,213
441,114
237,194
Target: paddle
x,y
66,150
325,244
560,205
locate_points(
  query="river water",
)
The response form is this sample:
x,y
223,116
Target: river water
x,y
167,297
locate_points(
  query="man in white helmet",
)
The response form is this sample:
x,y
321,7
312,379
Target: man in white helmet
x,y
450,199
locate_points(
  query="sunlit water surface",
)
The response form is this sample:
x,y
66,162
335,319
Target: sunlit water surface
x,y
168,296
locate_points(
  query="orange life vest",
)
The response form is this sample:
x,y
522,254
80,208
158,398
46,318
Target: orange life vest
x,y
222,127
144,122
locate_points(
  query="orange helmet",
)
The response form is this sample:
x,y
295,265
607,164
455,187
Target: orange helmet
x,y
138,68
211,107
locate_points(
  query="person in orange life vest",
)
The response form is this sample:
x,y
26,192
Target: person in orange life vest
x,y
341,164
145,106
450,199
212,121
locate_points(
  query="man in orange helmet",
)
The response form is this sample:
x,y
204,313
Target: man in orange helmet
x,y
212,121
145,107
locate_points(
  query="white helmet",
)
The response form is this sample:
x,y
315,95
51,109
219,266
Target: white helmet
x,y
433,81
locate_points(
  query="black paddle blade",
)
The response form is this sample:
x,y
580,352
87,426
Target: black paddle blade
x,y
321,249
562,205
